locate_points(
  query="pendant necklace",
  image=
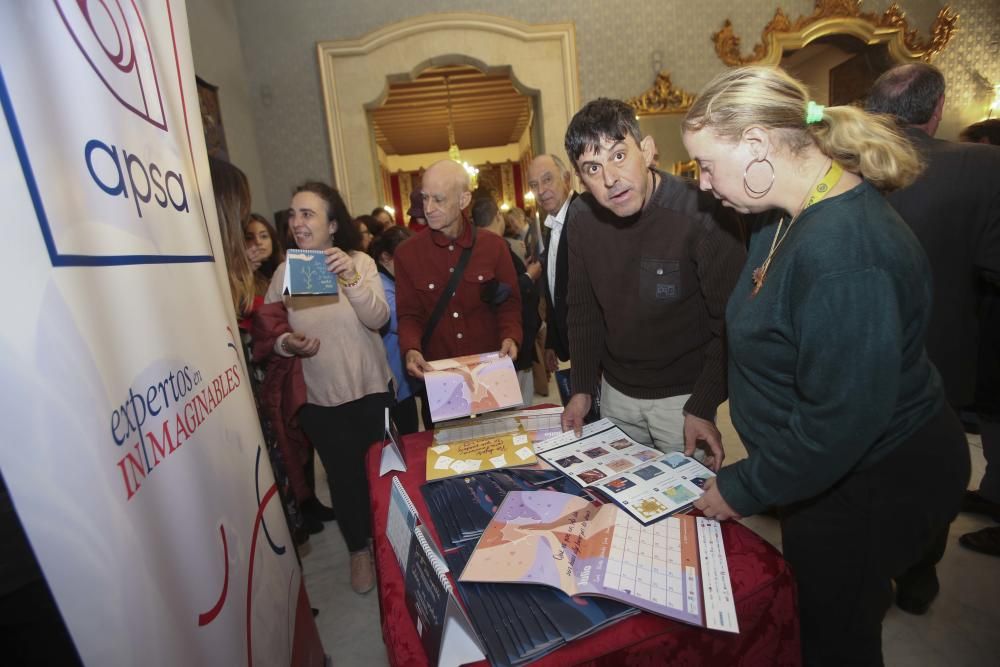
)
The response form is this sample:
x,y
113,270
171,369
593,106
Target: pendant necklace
x,y
821,190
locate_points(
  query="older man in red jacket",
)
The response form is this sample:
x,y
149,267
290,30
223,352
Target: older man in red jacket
x,y
484,312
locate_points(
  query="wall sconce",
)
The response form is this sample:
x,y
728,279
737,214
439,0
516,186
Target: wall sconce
x,y
995,105
505,206
529,197
390,210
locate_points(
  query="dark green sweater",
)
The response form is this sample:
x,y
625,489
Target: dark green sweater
x,y
827,369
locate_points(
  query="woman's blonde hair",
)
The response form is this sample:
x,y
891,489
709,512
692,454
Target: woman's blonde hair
x,y
232,206
868,144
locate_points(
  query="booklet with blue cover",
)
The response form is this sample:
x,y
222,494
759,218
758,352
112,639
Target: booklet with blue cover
x,y
306,274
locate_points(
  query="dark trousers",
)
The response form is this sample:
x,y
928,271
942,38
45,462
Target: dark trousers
x,y
846,544
341,436
404,414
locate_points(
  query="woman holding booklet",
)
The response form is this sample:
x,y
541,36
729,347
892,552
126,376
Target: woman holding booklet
x,y
343,360
842,414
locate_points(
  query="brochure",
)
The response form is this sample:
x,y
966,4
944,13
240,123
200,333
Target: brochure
x,y
478,455
306,274
471,385
647,483
583,548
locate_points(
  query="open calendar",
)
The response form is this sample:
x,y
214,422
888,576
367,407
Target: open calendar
x,y
675,568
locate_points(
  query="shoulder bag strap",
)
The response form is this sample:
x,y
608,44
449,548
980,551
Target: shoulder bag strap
x,y
449,291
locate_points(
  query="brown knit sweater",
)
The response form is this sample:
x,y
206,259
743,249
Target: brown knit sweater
x,y
647,297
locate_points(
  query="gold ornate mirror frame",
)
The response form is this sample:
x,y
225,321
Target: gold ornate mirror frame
x,y
838,17
664,99
661,97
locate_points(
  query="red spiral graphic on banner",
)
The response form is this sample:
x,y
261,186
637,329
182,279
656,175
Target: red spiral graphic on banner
x,y
112,37
209,616
253,552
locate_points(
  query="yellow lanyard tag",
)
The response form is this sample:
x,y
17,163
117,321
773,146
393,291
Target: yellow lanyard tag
x,y
823,188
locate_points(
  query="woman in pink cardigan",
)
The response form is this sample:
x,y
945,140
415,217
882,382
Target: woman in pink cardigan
x,y
343,361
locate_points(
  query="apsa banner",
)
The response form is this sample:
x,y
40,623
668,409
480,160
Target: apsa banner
x,y
130,442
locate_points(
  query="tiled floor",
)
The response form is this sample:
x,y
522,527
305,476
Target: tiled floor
x,y
962,627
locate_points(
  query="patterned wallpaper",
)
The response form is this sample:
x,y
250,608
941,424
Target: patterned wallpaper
x,y
620,47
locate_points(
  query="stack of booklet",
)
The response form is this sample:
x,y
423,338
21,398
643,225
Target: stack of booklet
x,y
462,507
442,624
517,624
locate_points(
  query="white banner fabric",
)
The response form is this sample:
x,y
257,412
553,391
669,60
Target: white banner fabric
x,y
130,441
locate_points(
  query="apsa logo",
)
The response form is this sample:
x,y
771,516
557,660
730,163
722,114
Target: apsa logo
x,y
113,39
112,36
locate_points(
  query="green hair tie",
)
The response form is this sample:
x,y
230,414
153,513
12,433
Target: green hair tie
x,y
814,113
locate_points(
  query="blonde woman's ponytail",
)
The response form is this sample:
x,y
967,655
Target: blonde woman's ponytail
x,y
868,144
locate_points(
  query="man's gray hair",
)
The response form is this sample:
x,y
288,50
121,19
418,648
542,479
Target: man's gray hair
x,y
560,165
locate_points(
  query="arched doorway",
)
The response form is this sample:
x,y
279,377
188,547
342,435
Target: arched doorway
x,y
479,115
542,57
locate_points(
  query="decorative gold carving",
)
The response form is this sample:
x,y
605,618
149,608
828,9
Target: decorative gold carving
x,y
838,17
662,97
687,169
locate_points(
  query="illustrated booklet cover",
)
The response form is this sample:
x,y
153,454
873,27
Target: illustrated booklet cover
x,y
487,443
546,618
471,385
479,454
645,482
306,274
675,568
462,507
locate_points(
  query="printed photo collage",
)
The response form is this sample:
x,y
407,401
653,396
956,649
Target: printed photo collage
x,y
644,481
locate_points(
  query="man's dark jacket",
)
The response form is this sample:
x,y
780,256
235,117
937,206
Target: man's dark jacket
x,y
557,336
954,209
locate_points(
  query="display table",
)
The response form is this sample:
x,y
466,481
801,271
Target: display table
x,y
763,589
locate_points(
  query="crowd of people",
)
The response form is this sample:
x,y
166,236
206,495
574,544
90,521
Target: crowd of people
x,y
847,334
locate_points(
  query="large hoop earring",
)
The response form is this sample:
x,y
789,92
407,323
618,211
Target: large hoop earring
x,y
757,194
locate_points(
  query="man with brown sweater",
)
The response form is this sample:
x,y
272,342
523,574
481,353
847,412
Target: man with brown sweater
x,y
650,272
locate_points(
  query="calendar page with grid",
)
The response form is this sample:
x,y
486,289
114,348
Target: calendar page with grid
x,y
584,548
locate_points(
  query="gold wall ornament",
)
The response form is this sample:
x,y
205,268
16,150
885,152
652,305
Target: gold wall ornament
x,y
838,17
662,97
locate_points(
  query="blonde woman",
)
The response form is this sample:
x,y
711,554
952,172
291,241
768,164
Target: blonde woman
x,y
843,416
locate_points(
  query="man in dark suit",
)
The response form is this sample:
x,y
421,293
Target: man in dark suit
x,y
549,180
954,209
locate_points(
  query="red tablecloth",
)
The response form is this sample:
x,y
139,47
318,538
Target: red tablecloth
x,y
762,586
